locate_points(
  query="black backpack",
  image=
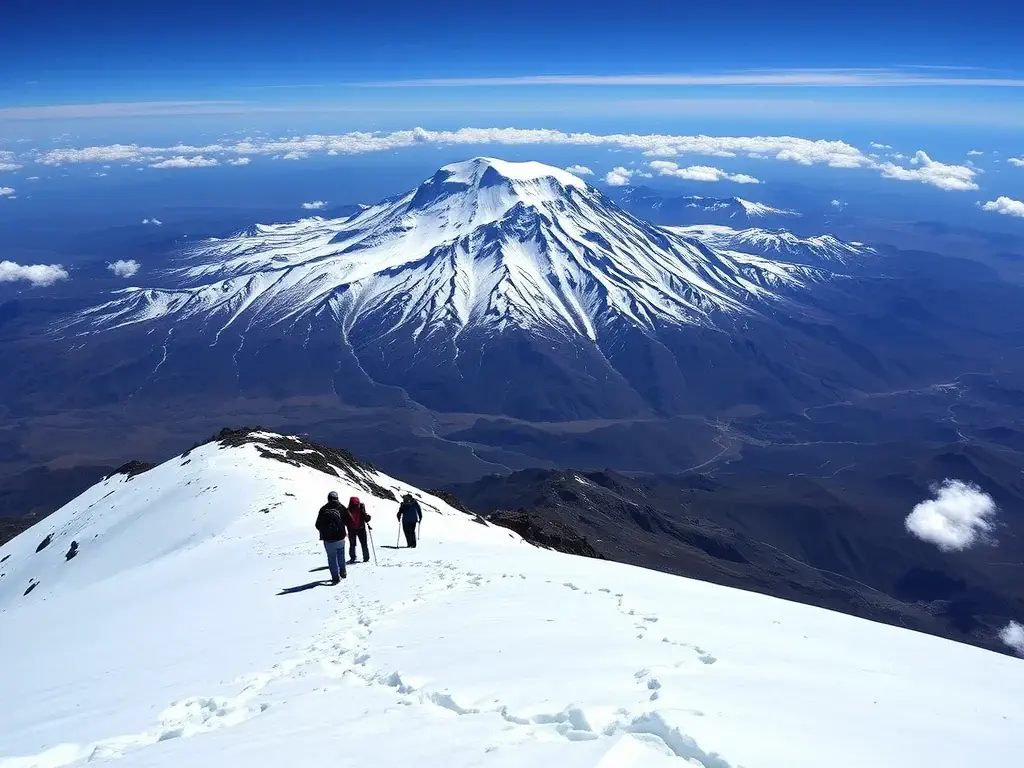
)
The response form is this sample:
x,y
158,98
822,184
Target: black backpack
x,y
333,527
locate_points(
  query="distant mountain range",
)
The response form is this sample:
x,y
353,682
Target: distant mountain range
x,y
659,208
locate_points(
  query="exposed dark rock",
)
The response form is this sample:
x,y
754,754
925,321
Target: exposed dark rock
x,y
544,532
45,543
72,551
31,585
304,453
450,499
5,558
133,468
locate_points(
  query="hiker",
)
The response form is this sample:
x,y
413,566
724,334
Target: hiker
x,y
356,520
410,514
331,524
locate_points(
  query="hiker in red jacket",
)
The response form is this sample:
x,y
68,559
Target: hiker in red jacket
x,y
355,521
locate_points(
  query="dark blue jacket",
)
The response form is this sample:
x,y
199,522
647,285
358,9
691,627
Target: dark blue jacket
x,y
410,511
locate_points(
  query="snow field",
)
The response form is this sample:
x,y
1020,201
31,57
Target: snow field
x,y
191,630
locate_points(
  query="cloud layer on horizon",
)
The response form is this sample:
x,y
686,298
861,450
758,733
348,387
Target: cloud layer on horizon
x,y
808,152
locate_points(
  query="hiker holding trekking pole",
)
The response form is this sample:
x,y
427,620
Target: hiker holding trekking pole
x,y
410,515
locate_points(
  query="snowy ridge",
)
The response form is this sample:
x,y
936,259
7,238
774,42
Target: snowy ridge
x,y
761,209
779,244
484,244
178,618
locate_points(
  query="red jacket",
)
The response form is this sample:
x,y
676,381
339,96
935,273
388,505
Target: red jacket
x,y
355,516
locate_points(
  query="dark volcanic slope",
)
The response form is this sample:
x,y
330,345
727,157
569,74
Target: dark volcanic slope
x,y
838,544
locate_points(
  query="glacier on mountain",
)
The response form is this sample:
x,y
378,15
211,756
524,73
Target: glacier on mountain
x,y
481,245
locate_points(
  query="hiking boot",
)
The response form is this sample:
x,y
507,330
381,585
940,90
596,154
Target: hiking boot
x,y
352,560
366,559
344,575
334,581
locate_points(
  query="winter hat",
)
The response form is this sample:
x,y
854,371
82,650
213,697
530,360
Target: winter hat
x,y
354,501
332,496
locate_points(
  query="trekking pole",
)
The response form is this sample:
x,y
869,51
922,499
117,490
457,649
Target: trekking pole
x,y
373,549
398,536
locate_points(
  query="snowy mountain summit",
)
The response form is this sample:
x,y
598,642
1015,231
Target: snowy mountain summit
x,y
481,245
492,287
179,616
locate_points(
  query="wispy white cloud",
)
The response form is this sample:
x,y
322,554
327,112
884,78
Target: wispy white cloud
x,y
1017,161
181,161
618,176
1007,206
838,205
975,153
295,155
928,171
10,167
828,78
316,205
124,109
37,274
699,173
876,145
240,161
959,516
154,222
1012,635
580,170
125,267
7,191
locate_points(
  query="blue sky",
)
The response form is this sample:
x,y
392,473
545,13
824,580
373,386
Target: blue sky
x,y
320,56
875,96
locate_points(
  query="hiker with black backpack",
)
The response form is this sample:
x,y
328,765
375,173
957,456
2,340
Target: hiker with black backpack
x,y
356,521
331,524
410,515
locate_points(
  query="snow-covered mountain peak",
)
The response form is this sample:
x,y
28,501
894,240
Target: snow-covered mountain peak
x,y
462,196
483,244
761,209
483,171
